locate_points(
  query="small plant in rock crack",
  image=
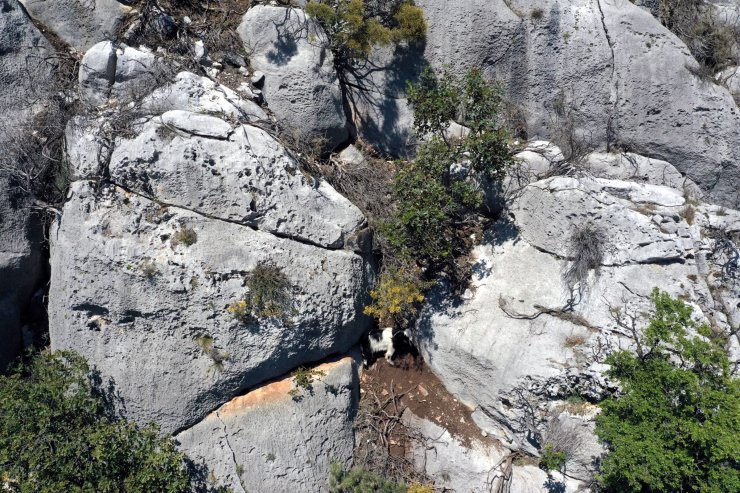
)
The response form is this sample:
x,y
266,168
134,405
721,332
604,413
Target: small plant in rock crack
x,y
304,379
586,248
186,236
206,344
269,295
148,269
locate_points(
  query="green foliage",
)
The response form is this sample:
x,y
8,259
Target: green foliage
x,y
354,27
358,480
303,379
56,434
675,427
432,203
268,296
553,459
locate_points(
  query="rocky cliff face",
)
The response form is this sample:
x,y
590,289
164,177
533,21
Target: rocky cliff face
x,y
183,182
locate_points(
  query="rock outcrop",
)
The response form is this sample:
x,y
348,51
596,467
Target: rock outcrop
x,y
25,83
80,23
280,437
609,70
522,336
146,263
301,86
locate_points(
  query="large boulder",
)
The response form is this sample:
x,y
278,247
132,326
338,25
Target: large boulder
x,y
80,23
195,198
25,82
238,174
521,338
151,312
280,437
301,86
609,70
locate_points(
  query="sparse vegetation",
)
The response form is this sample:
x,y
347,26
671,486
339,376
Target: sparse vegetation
x,y
688,213
58,432
574,341
359,480
304,379
269,295
586,248
674,427
185,236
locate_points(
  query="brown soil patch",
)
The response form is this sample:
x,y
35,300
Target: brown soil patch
x,y
422,393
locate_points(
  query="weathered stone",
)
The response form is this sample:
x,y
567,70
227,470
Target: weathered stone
x,y
80,23
146,322
519,330
248,178
196,124
280,437
198,94
301,86
87,152
25,82
97,73
609,67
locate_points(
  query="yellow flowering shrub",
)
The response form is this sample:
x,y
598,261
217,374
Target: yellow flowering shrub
x,y
420,488
396,295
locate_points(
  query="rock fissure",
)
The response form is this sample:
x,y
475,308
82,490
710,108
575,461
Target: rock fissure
x,y
231,450
216,218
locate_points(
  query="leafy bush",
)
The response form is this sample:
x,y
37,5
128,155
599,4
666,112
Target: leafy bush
x,y
359,480
676,424
353,27
268,295
553,459
57,434
396,296
433,203
303,379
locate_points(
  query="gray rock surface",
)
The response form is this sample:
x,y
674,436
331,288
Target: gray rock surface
x,y
97,73
140,305
511,334
25,82
238,174
610,67
301,86
268,440
80,23
480,466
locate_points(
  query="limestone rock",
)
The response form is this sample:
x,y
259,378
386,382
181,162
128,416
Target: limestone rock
x,y
519,330
80,23
151,313
242,175
610,67
198,94
475,467
25,82
301,86
97,73
270,440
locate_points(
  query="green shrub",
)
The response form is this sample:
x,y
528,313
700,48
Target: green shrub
x,y
553,459
432,203
57,434
303,379
359,480
268,295
354,27
676,424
